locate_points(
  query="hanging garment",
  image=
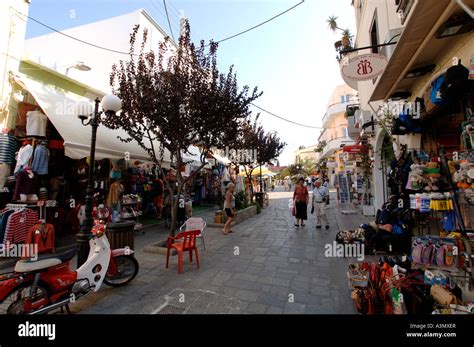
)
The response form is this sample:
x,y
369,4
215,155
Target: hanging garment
x,y
8,147
24,156
10,121
18,225
5,171
26,183
42,235
56,216
3,223
40,160
115,191
36,123
239,186
449,221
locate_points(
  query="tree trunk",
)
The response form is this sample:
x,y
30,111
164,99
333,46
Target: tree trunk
x,y
249,178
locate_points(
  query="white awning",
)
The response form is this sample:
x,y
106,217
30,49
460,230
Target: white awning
x,y
193,157
60,108
221,159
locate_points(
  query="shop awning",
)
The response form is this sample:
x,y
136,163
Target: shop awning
x,y
424,16
60,105
221,159
256,172
193,157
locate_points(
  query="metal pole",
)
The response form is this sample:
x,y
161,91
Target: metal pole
x,y
85,232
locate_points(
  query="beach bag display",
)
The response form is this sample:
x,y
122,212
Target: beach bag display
x,y
435,94
398,127
411,124
455,84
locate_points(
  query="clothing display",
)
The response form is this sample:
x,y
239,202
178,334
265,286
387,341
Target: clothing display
x,y
24,155
36,123
3,222
26,184
5,171
239,185
115,191
40,160
56,216
18,224
158,192
8,147
10,121
41,235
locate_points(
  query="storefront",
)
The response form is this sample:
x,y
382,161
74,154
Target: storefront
x,y
424,161
44,164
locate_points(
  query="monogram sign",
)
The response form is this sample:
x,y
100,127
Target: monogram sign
x,y
355,68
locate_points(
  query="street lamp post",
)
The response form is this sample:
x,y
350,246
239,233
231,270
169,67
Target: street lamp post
x,y
110,104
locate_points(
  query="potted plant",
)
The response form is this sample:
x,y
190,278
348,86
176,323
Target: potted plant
x,y
346,39
320,146
345,42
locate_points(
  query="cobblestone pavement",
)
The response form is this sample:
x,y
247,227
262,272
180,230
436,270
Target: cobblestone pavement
x,y
265,266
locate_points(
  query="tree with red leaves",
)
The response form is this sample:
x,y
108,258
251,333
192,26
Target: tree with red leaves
x,y
177,98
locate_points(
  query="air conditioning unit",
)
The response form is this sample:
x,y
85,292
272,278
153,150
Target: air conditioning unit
x,y
392,36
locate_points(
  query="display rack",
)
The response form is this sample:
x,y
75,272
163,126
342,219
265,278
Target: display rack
x,y
344,188
135,202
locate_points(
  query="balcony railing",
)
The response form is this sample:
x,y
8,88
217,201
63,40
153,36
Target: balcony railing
x,y
335,109
335,144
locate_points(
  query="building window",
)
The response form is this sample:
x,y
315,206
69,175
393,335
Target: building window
x,y
345,98
374,35
345,132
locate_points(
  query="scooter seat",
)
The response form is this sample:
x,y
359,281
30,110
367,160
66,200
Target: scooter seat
x,y
44,261
63,256
29,266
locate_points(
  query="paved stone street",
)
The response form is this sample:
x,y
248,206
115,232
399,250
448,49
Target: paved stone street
x,y
265,266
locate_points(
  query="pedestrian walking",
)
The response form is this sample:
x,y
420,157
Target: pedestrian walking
x,y
301,199
320,196
159,195
229,206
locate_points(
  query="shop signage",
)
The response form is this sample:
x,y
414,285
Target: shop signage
x,y
362,68
354,149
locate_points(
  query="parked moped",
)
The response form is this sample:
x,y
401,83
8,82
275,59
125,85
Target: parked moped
x,y
48,283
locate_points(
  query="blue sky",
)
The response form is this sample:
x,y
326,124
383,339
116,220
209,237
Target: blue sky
x,y
291,59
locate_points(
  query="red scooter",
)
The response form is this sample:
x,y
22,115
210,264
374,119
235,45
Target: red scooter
x,y
48,283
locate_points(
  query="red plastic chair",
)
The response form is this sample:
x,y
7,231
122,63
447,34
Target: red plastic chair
x,y
195,223
186,243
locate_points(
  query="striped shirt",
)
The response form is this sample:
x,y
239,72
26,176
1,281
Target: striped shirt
x,y
18,225
8,146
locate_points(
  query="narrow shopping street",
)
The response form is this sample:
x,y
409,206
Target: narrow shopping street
x,y
265,266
